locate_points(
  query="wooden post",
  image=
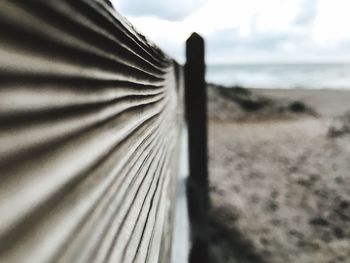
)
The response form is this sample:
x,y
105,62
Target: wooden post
x,y
196,115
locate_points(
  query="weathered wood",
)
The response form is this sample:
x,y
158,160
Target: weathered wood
x,y
90,116
196,114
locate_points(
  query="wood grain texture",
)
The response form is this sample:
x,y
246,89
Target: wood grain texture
x,y
90,116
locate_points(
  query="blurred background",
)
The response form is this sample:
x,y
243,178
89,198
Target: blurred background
x,y
278,74
255,33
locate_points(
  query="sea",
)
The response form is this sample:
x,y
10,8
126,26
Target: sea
x,y
281,76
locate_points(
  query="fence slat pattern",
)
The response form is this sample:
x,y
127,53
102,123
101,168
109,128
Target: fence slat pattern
x,y
90,115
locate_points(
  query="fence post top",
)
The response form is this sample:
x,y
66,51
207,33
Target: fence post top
x,y
195,37
195,48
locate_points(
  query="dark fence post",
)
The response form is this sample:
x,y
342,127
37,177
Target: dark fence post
x,y
196,115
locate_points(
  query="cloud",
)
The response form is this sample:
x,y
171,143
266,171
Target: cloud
x,y
230,45
173,10
253,30
307,14
231,39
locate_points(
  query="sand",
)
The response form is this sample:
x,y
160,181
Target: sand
x,y
280,189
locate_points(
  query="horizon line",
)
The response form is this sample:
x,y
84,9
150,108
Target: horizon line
x,y
282,62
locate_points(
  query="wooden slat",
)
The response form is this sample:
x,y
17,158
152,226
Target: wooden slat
x,y
90,116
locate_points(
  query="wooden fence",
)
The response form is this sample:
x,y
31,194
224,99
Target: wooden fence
x,y
90,121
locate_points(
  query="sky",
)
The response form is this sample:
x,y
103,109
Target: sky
x,y
247,31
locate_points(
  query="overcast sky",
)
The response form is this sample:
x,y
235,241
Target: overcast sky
x,y
247,30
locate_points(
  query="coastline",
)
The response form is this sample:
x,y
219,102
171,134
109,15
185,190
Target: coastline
x,y
328,102
279,186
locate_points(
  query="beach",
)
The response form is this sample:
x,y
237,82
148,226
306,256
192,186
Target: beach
x,y
279,185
